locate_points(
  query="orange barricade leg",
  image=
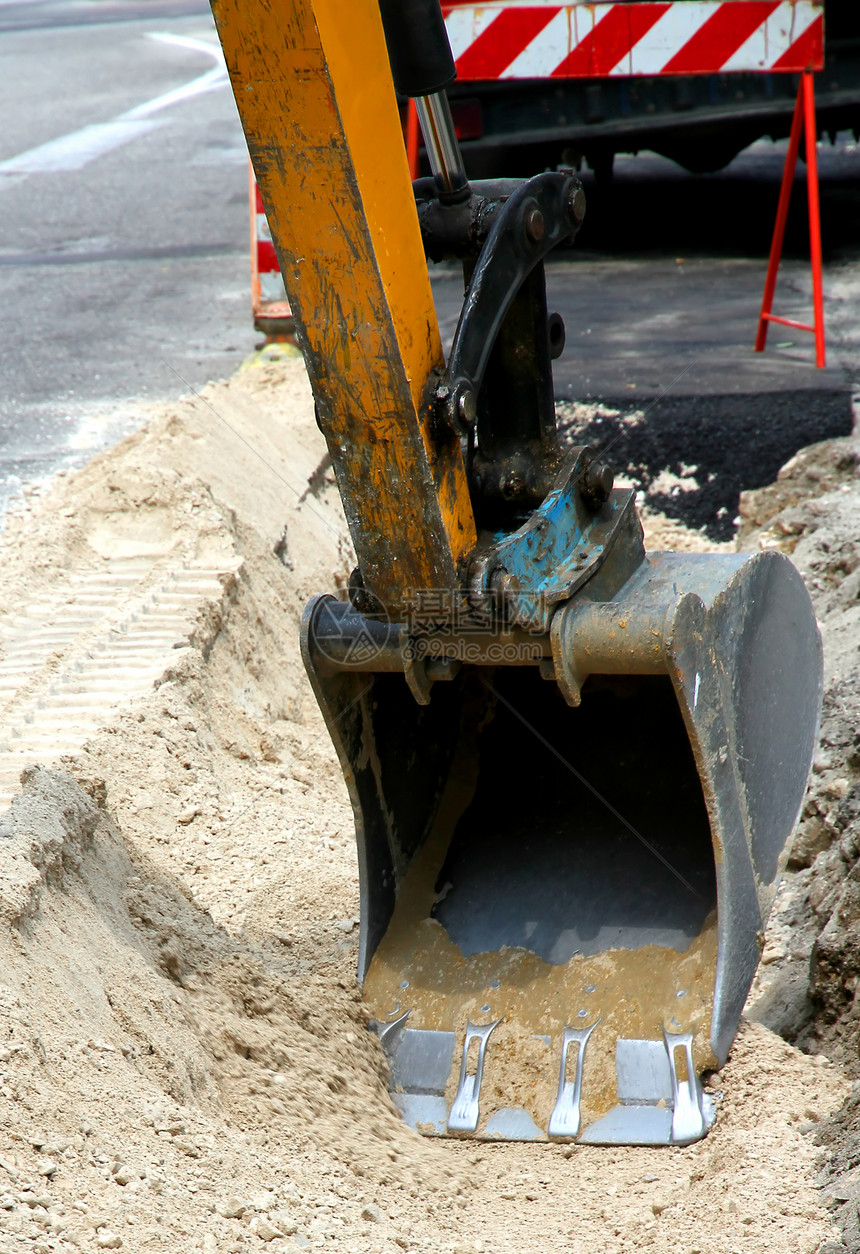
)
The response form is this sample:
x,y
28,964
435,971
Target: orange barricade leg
x,y
804,119
808,89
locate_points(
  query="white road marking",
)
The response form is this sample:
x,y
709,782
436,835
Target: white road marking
x,y
73,151
187,41
78,148
210,81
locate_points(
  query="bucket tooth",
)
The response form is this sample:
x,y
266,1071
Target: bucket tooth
x,y
565,1118
688,1113
420,1065
652,1106
465,1109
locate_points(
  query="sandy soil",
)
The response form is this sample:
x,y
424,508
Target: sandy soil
x,y
808,981
184,1060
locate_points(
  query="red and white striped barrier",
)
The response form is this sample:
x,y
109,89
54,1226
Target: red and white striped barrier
x,y
535,39
527,39
272,313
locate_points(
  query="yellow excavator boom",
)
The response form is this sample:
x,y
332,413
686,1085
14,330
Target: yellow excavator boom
x,y
317,104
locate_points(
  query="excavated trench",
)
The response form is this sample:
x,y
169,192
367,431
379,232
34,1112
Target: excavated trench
x,y
184,1063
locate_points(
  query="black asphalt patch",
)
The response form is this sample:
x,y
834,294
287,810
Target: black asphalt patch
x,y
716,446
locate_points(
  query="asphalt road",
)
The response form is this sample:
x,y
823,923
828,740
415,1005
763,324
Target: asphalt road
x,y
124,260
124,210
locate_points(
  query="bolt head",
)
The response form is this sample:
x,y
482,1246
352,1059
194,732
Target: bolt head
x,y
604,476
467,407
512,486
599,479
503,587
577,204
534,224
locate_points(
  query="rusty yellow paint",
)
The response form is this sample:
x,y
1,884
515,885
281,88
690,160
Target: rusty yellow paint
x,y
372,127
314,93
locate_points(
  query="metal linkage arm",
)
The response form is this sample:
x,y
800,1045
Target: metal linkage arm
x,y
544,212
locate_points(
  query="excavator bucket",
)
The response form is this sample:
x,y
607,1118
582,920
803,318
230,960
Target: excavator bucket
x,y
562,906
575,767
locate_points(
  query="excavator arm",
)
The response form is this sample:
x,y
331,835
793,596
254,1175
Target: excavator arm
x,y
320,116
575,766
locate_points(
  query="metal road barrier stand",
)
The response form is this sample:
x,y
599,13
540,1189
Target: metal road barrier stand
x,y
804,119
514,41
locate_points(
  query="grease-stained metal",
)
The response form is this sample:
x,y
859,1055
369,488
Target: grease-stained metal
x,y
561,546
509,254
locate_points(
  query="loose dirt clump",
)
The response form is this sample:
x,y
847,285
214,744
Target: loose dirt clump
x,y
184,1057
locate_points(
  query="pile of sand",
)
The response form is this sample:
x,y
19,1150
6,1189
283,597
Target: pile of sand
x,y
184,1061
